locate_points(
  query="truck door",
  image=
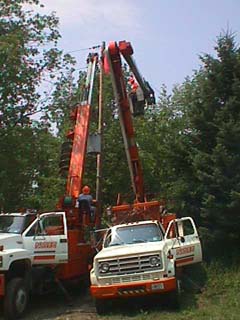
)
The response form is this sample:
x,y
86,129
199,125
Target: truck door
x,y
46,239
184,241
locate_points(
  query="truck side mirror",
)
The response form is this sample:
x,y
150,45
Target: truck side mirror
x,y
182,239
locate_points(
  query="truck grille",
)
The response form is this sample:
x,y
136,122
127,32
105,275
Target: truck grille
x,y
133,278
130,265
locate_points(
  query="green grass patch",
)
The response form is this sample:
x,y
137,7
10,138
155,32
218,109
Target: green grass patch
x,y
210,293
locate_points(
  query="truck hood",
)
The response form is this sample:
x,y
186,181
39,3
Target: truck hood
x,y
11,241
130,249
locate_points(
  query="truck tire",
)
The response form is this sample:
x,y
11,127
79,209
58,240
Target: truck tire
x,y
16,299
101,306
173,300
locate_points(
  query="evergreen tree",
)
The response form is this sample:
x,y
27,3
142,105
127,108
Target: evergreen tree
x,y
211,101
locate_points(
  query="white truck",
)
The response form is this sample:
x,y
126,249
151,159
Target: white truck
x,y
31,246
145,246
140,258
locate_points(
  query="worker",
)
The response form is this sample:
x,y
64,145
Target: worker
x,y
85,201
136,97
133,84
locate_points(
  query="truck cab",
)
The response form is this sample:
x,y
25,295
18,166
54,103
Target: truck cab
x,y
30,244
140,258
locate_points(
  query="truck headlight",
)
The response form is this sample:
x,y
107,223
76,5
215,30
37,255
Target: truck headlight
x,y
155,261
104,267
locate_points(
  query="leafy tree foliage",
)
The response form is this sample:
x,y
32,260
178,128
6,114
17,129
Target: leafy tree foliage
x,y
28,56
24,61
211,102
116,177
189,143
28,169
161,147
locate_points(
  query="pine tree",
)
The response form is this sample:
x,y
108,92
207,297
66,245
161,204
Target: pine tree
x,y
211,101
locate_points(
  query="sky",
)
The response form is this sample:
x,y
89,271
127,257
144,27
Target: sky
x,y
167,35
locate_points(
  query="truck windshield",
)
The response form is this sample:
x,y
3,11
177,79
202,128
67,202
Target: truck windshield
x,y
12,224
134,234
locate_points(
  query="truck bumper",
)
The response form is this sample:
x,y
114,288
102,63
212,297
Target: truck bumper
x,y
134,289
2,285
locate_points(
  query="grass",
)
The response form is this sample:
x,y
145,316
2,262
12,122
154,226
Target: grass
x,y
210,293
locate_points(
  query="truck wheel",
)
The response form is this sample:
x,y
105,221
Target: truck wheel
x,y
16,299
173,300
101,306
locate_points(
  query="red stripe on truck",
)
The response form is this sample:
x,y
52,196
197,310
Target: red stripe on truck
x,y
180,261
44,258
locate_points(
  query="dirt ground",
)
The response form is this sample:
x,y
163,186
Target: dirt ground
x,y
56,307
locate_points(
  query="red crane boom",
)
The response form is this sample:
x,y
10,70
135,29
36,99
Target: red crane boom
x,y
80,134
123,101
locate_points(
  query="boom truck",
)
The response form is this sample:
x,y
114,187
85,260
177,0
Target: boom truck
x,y
51,247
41,249
144,248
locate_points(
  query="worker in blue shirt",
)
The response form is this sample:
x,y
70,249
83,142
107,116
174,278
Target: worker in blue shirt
x,y
86,198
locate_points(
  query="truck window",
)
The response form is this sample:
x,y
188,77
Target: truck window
x,y
28,220
107,239
181,228
48,225
53,225
35,230
134,234
185,228
12,224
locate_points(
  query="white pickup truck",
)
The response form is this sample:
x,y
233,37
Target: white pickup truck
x,y
140,258
30,247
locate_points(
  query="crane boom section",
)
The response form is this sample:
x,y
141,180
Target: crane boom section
x,y
76,167
125,117
80,133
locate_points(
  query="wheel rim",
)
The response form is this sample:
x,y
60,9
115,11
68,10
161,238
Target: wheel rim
x,y
21,300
